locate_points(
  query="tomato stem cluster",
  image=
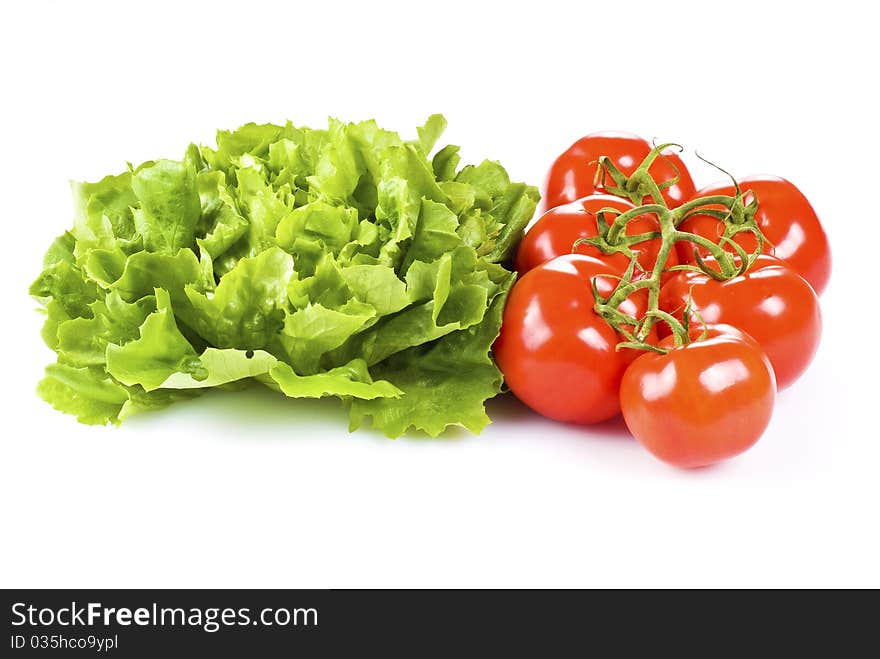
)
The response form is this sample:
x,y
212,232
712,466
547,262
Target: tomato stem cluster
x,y
734,213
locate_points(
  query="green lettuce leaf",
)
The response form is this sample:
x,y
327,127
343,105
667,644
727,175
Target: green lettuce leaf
x,y
311,332
443,383
88,393
222,224
247,308
103,213
431,132
221,367
157,353
331,226
169,209
351,380
145,271
84,341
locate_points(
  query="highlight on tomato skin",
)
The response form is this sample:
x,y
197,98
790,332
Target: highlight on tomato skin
x,y
558,356
556,231
788,221
572,175
770,302
702,402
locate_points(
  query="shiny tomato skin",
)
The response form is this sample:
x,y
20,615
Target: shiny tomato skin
x,y
557,355
787,220
770,302
573,173
702,402
556,231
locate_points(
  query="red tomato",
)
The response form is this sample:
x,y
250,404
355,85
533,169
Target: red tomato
x,y
785,217
573,173
771,303
557,355
556,231
702,402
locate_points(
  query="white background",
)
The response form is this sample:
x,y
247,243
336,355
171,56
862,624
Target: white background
x,y
249,490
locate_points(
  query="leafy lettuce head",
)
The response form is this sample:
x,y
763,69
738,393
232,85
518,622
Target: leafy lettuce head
x,y
336,262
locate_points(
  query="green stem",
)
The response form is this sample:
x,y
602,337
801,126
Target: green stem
x,y
639,238
667,237
685,209
620,222
679,331
716,252
641,184
625,289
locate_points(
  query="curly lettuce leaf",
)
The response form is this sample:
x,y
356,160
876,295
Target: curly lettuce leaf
x,y
88,393
157,353
221,223
352,380
247,308
103,213
332,226
95,398
169,209
443,383
84,341
311,332
145,271
431,132
222,367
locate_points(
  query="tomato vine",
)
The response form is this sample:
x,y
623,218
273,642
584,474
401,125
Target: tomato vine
x,y
733,212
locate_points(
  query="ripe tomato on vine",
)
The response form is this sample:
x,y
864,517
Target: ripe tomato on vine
x,y
725,276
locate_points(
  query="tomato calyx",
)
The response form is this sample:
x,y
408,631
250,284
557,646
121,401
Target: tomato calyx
x,y
640,184
736,216
612,238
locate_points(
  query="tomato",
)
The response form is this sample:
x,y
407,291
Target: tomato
x,y
555,232
573,173
702,402
770,302
792,230
557,354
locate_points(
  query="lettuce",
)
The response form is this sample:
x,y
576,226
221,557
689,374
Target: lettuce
x,y
337,262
